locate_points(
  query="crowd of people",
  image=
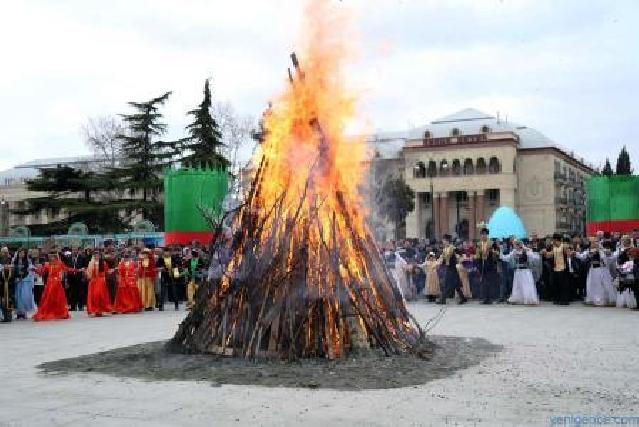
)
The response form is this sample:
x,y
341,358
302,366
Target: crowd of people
x,y
117,279
113,279
601,270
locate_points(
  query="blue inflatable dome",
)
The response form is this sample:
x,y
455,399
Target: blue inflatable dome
x,y
505,223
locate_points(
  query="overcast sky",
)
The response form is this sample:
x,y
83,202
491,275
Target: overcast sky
x,y
568,68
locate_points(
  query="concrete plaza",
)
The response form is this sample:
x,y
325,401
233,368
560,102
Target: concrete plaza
x,y
556,361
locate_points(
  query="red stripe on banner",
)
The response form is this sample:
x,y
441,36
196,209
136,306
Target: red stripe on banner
x,y
186,237
620,225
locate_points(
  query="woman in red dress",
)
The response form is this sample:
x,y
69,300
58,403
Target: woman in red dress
x,y
127,296
53,303
98,298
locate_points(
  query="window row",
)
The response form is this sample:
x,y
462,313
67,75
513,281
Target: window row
x,y
457,168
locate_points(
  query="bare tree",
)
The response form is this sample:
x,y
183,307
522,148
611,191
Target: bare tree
x,y
236,133
101,135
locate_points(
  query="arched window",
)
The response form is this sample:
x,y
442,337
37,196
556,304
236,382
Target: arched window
x,y
456,169
455,132
468,167
432,169
481,166
427,134
493,165
493,197
444,168
419,171
485,129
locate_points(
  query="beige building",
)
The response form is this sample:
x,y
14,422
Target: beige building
x,y
464,166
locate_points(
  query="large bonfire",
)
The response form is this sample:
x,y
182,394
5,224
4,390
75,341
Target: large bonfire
x,y
306,278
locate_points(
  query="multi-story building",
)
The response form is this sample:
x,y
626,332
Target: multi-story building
x,y
464,166
14,191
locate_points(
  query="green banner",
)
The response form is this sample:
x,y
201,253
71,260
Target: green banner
x,y
613,198
187,191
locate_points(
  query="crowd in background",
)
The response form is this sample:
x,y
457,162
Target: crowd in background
x,y
600,270
126,278
47,284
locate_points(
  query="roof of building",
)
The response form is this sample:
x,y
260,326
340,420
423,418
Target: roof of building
x,y
467,114
470,121
8,175
54,161
30,169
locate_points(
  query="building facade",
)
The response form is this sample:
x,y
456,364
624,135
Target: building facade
x,y
464,166
14,191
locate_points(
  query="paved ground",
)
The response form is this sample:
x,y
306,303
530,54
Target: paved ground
x,y
557,361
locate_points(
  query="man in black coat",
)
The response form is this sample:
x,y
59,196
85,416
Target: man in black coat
x,y
168,265
486,257
451,281
76,280
574,272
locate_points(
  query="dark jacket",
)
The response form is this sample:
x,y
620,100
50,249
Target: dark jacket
x,y
166,273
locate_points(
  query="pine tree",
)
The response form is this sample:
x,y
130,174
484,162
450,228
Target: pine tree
x,y
607,169
623,163
146,156
77,194
203,145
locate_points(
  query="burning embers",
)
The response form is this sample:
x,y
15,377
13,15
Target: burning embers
x,y
305,278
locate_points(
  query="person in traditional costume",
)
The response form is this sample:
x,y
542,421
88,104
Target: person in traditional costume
x,y
53,304
524,289
98,297
600,290
573,269
146,279
127,296
486,257
634,285
462,260
430,265
624,260
169,267
507,271
111,277
24,278
558,276
76,281
625,293
195,271
38,287
451,282
402,277
535,263
6,285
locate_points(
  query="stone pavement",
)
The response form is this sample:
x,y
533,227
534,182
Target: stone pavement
x,y
556,361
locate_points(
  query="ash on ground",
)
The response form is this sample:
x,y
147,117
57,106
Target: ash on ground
x,y
153,362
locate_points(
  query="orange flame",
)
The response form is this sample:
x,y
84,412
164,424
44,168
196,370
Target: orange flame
x,y
306,197
305,140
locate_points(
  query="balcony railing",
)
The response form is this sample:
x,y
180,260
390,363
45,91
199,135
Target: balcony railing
x,y
561,200
559,176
